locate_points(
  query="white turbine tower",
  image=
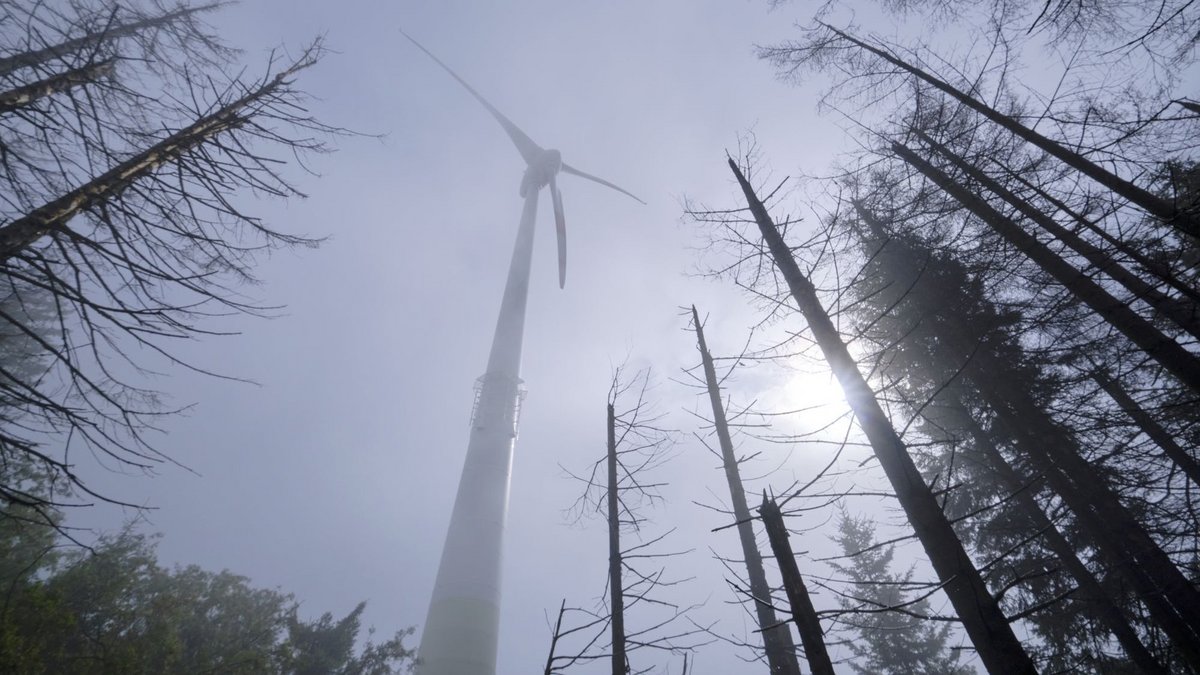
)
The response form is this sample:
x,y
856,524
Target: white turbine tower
x,y
461,631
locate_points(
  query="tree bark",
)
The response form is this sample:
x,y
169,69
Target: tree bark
x,y
1191,106
35,57
1163,272
803,612
1168,353
985,624
616,590
22,96
1172,601
53,216
1091,593
777,638
554,637
1148,425
1151,203
1183,317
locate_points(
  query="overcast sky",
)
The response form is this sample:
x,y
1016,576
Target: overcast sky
x,y
334,477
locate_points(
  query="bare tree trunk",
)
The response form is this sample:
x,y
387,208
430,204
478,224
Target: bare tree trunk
x,y
1188,105
1151,203
803,612
53,216
1091,593
1171,599
112,31
24,95
1148,425
620,664
777,637
985,624
554,637
1184,317
1156,268
1167,352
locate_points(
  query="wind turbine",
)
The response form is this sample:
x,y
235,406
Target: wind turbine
x,y
542,167
461,631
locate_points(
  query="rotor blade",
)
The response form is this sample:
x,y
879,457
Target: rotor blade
x,y
572,170
560,226
525,145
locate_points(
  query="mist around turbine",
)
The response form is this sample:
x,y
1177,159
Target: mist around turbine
x,y
462,630
542,166
896,371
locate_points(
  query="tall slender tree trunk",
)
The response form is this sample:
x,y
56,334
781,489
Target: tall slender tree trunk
x,y
616,590
1167,352
985,624
777,637
92,40
1173,602
1171,599
1191,106
1151,203
1183,317
24,95
1091,594
803,612
554,638
1148,425
1158,269
53,216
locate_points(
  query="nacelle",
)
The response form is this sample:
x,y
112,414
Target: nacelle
x,y
541,170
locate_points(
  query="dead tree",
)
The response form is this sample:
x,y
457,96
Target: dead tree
x,y
1170,354
52,218
1160,32
616,589
1164,209
985,624
1091,592
24,95
1183,314
590,626
91,30
803,613
117,210
619,489
992,366
1156,268
1150,426
777,639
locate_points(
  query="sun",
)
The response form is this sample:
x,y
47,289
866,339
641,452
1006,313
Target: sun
x,y
814,392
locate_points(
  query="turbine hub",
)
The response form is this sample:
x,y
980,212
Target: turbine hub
x,y
541,171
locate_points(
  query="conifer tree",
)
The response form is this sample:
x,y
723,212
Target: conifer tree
x,y
944,334
985,623
893,637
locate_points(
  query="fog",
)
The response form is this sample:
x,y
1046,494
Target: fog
x,y
332,472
